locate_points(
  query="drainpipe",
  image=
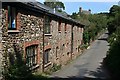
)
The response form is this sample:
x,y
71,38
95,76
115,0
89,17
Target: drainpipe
x,y
71,40
43,43
1,54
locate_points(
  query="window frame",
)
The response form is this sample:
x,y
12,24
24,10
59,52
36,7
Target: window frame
x,y
47,28
12,17
57,49
59,26
31,55
46,56
65,27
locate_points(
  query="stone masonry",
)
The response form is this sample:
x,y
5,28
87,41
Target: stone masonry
x,y
29,31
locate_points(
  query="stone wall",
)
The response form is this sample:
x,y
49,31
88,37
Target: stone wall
x,y
30,30
77,40
59,42
0,42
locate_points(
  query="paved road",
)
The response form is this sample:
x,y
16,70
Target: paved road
x,y
89,64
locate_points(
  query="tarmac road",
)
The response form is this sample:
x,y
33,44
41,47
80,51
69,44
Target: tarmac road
x,y
89,64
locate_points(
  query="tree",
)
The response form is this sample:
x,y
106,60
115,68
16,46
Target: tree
x,y
94,23
74,15
58,5
114,10
17,69
112,60
114,18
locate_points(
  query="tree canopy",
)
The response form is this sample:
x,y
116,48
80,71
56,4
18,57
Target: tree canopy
x,y
94,23
58,5
113,58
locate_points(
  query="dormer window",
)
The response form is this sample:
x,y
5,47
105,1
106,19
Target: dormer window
x,y
11,18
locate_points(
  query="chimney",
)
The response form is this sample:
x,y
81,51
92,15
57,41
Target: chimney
x,y
89,10
54,10
80,9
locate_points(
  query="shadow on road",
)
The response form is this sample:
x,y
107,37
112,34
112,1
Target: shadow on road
x,y
84,71
104,38
99,74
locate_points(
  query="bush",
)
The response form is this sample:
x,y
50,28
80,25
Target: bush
x,y
17,69
113,58
55,67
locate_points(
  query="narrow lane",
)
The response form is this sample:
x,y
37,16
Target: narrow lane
x,y
89,64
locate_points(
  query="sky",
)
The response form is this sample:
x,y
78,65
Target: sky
x,y
96,6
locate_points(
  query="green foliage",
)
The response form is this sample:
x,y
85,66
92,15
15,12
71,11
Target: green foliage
x,y
114,10
74,15
84,46
17,68
38,77
113,58
17,71
58,5
114,18
86,38
94,23
55,67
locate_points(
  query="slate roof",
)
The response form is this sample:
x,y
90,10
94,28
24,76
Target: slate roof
x,y
47,10
52,11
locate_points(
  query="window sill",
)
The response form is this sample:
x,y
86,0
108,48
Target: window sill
x,y
59,31
57,58
46,65
34,67
48,34
13,31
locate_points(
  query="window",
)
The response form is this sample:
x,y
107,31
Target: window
x,y
31,56
68,53
57,51
11,18
77,29
63,48
46,56
59,26
65,27
47,25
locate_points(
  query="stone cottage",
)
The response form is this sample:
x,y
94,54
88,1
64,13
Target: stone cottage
x,y
40,34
